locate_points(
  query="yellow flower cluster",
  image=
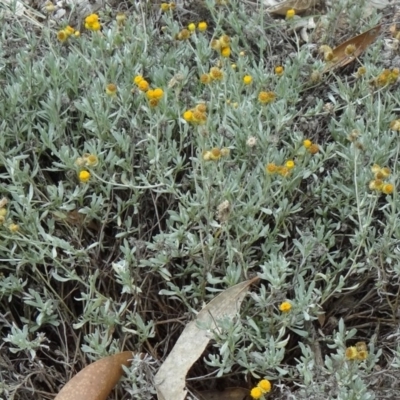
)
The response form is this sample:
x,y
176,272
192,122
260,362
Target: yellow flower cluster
x,y
197,115
215,154
215,74
387,77
13,228
201,26
327,52
266,97
358,352
65,33
264,386
141,83
222,45
283,170
153,95
311,147
87,160
378,183
167,6
92,22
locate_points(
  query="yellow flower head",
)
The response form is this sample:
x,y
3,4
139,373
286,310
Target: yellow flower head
x,y
3,212
283,170
225,51
266,97
264,385
290,13
202,26
395,125
256,393
385,171
137,79
379,175
351,353
69,30
387,188
279,70
271,168
328,56
205,78
62,36
376,184
225,152
154,102
327,52
183,34
91,19
121,18
93,27
90,160
215,154
165,7
202,107
158,93
84,176
199,117
361,71
215,44
362,355
206,155
285,307
307,143
111,89
13,228
393,76
375,168
143,85
247,79
350,49
150,94
361,346
192,27
313,149
224,40
289,164
188,116
77,34
49,7
216,73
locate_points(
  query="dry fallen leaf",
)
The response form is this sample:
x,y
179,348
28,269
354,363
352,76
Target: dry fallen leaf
x,y
349,50
96,381
170,378
299,6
